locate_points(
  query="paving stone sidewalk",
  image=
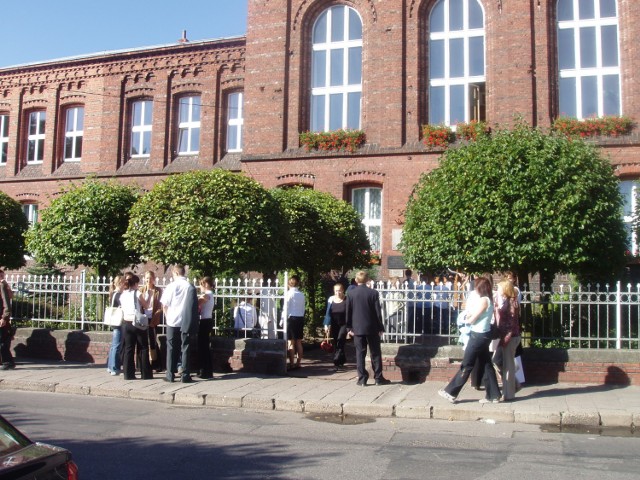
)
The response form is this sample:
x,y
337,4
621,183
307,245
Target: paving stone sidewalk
x,y
317,389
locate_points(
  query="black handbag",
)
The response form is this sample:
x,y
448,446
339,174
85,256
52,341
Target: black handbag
x,y
494,333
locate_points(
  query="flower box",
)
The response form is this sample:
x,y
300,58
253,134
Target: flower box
x,y
609,126
437,135
347,140
472,130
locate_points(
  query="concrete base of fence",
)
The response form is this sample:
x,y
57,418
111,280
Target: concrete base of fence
x,y
408,363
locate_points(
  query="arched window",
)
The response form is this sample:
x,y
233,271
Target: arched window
x,y
30,211
36,124
628,190
141,128
4,138
336,70
456,62
189,125
588,58
367,202
73,133
235,121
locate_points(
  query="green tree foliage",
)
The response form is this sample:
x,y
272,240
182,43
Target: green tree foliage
x,y
520,200
324,234
84,226
13,225
217,222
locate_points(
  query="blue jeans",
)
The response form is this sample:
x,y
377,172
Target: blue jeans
x,y
114,360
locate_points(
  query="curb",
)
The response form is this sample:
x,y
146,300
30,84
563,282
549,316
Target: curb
x,y
385,402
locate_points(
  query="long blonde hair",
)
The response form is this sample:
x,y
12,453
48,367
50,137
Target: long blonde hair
x,y
507,288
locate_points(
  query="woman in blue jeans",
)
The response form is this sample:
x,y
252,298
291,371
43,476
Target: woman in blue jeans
x,y
479,316
114,360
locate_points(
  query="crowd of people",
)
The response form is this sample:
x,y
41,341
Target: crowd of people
x,y
355,312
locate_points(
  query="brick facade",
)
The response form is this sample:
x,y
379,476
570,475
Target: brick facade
x,y
271,66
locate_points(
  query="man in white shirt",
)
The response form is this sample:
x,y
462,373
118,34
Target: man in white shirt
x,y
180,305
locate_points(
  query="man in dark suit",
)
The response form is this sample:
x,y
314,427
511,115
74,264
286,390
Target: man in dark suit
x,y
180,304
364,323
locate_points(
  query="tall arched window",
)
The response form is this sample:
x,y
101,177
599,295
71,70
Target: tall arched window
x,y
37,121
73,133
141,128
4,138
628,190
189,125
456,62
588,58
336,70
368,203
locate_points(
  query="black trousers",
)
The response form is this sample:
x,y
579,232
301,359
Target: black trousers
x,y
134,340
477,349
373,342
204,347
5,345
339,335
178,346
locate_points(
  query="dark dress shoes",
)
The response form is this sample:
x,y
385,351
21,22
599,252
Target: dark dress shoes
x,y
383,381
187,380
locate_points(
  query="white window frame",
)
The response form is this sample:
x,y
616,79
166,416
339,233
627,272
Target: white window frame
x,y
143,129
466,80
191,126
4,138
597,71
327,46
36,138
235,122
74,133
30,211
368,221
629,191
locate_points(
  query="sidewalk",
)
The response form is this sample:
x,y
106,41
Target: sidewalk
x,y
316,389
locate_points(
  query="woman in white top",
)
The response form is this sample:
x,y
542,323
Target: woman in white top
x,y
134,338
479,316
295,306
206,303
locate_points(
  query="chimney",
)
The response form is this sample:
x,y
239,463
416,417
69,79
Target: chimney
x,y
184,38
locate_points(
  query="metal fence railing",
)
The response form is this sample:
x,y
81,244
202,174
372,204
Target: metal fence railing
x,y
583,317
565,317
78,303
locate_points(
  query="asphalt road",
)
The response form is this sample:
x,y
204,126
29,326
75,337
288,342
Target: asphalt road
x,y
128,439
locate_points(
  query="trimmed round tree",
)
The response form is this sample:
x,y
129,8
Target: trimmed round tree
x,y
85,226
13,225
521,200
217,222
324,234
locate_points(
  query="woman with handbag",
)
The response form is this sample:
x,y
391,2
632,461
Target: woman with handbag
x,y
335,323
135,338
479,316
150,299
114,359
507,311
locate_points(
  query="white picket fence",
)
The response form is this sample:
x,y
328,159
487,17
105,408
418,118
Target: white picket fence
x,y
591,317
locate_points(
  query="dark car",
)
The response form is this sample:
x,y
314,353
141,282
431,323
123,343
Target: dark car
x,y
20,458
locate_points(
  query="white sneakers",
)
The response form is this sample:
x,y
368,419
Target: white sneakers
x,y
446,396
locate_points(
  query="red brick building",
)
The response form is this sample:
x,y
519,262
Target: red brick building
x,y
385,67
